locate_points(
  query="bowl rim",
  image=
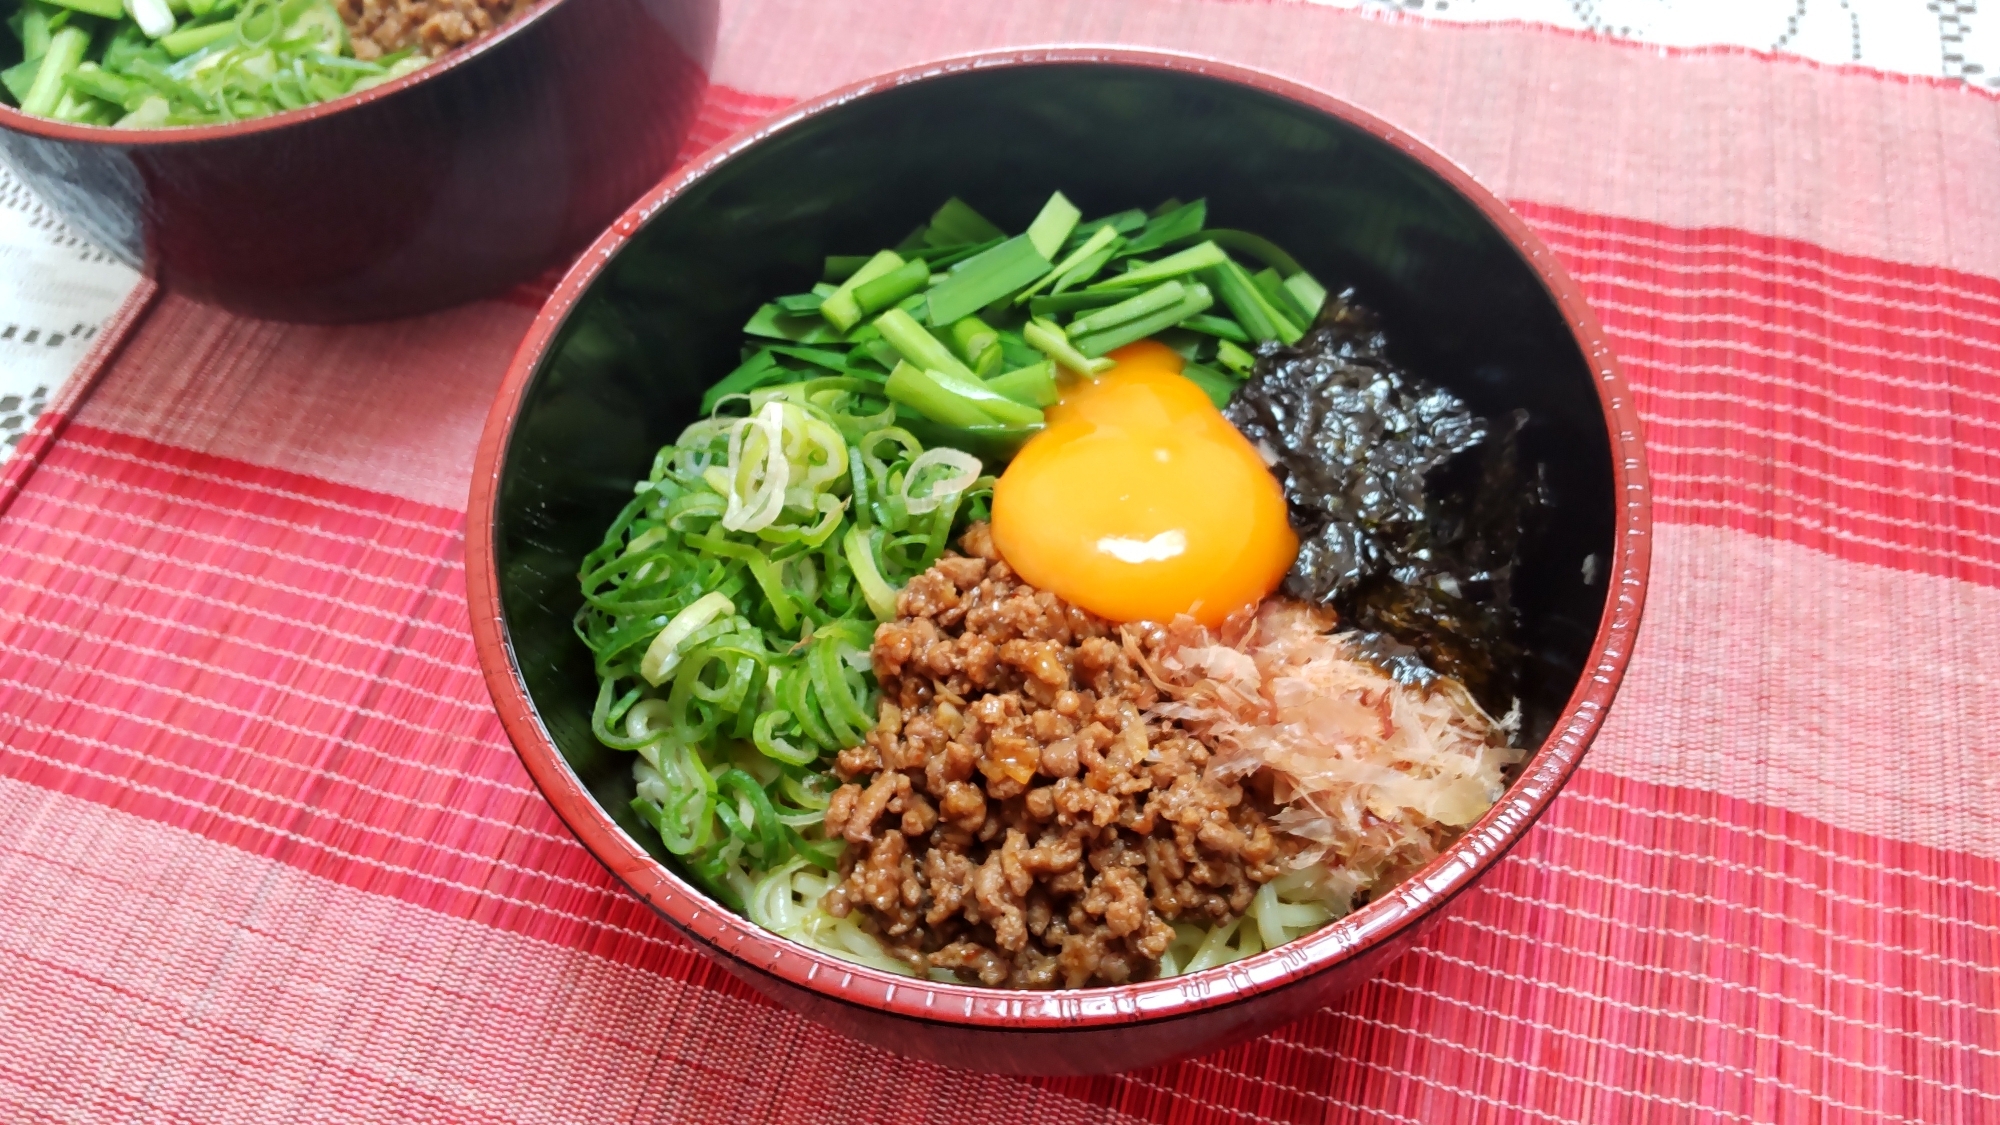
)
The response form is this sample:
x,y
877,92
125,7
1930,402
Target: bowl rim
x,y
1396,914
12,118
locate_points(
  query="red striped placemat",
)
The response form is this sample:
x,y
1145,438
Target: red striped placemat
x,y
265,854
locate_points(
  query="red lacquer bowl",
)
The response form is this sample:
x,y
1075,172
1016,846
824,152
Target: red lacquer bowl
x,y
483,170
617,360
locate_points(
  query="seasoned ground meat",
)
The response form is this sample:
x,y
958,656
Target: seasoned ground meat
x,y
378,27
1013,817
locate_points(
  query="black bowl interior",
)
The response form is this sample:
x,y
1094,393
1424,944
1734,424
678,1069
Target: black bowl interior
x,y
661,323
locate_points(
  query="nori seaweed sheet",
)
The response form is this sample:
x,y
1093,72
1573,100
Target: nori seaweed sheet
x,y
1411,511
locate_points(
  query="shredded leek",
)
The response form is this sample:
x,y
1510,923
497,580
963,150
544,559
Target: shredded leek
x,y
732,604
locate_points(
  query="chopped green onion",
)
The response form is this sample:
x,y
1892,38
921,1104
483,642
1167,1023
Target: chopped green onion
x,y
881,599
259,22
1197,299
964,469
664,654
1051,228
985,278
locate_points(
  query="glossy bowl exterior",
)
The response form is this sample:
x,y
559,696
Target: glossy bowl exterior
x,y
488,168
616,361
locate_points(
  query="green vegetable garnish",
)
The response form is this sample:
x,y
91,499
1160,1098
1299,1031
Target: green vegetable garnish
x,y
732,605
155,63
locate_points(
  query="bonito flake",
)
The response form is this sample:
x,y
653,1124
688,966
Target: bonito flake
x,y
1374,775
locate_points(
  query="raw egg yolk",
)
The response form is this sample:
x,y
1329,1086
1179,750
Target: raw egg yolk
x,y
1139,501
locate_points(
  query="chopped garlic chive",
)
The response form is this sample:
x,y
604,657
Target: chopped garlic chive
x,y
1234,358
891,287
840,267
1049,338
799,304
1051,228
65,52
908,386
956,223
1194,258
1072,302
1034,385
188,40
1124,222
1257,246
1003,409
1197,300
1220,326
986,278
1217,386
1162,296
761,368
1273,288
1170,227
977,344
1098,243
841,309
915,343
1249,306
1085,270
1308,292
108,9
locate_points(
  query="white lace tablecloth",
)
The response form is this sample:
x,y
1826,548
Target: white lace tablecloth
x,y
56,290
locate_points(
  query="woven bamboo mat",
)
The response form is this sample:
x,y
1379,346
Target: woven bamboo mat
x,y
265,854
